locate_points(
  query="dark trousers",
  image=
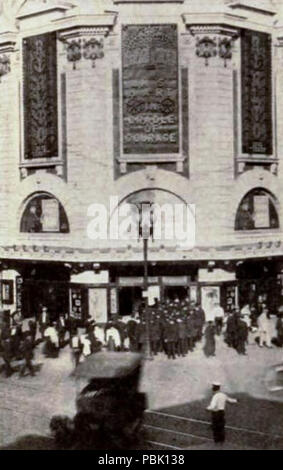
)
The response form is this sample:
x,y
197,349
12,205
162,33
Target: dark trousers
x,y
170,349
7,367
218,426
155,346
182,346
76,355
219,325
27,365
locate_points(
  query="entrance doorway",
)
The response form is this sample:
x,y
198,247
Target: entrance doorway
x,y
48,286
129,298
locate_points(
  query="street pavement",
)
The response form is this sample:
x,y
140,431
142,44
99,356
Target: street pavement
x,y
27,404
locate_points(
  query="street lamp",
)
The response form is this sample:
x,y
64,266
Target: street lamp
x,y
145,233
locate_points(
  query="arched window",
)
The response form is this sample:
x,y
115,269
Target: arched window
x,y
44,214
257,211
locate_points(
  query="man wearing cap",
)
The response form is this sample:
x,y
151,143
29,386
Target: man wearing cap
x,y
217,408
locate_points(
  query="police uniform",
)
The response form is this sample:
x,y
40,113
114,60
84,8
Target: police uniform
x,y
217,408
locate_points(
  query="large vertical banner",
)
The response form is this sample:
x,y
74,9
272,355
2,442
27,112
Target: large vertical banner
x,y
150,89
256,92
40,96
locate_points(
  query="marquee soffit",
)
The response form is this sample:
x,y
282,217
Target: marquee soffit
x,y
134,253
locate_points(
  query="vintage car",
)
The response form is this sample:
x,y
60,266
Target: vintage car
x,y
109,407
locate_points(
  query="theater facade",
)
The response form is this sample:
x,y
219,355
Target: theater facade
x,y
106,105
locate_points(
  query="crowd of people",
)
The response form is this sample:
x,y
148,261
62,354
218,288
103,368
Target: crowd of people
x,y
172,327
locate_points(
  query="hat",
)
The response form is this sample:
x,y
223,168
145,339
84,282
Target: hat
x,y
216,384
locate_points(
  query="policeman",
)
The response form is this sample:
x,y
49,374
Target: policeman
x,y
155,335
170,335
182,343
217,408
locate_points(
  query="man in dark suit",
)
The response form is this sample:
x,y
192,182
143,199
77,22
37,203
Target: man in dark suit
x,y
27,351
170,336
32,330
7,356
61,328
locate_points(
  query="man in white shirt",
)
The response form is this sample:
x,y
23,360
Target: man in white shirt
x,y
217,408
218,314
264,329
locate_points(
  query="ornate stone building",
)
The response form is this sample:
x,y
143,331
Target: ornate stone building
x,y
162,101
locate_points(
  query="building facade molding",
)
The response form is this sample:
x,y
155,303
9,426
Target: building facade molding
x,y
159,179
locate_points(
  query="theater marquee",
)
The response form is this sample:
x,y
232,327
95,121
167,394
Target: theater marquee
x,y
150,89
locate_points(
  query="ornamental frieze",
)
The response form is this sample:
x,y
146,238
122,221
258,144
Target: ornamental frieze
x,y
206,48
5,57
212,41
84,43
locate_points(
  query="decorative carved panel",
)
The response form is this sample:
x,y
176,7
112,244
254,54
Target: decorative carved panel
x,y
40,96
206,48
256,93
150,89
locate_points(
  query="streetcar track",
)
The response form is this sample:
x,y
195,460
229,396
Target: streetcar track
x,y
207,423
179,433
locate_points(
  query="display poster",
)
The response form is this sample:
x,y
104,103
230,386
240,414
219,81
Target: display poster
x,y
76,301
97,299
50,215
19,293
150,89
193,294
113,301
261,212
209,296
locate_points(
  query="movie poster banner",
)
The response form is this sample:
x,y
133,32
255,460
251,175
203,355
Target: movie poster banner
x,y
150,89
256,92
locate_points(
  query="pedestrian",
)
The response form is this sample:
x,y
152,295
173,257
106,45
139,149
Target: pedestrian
x,y
264,329
52,341
44,321
242,333
218,314
182,343
76,348
113,337
170,335
7,356
62,329
132,333
217,408
200,316
231,329
209,345
27,351
16,337
99,333
32,331
86,345
155,336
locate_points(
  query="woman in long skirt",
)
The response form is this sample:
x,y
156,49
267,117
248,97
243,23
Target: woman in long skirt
x,y
209,335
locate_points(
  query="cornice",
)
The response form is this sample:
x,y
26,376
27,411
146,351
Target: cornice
x,y
8,42
85,25
252,6
213,29
34,10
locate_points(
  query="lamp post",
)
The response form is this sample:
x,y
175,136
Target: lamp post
x,y
146,232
